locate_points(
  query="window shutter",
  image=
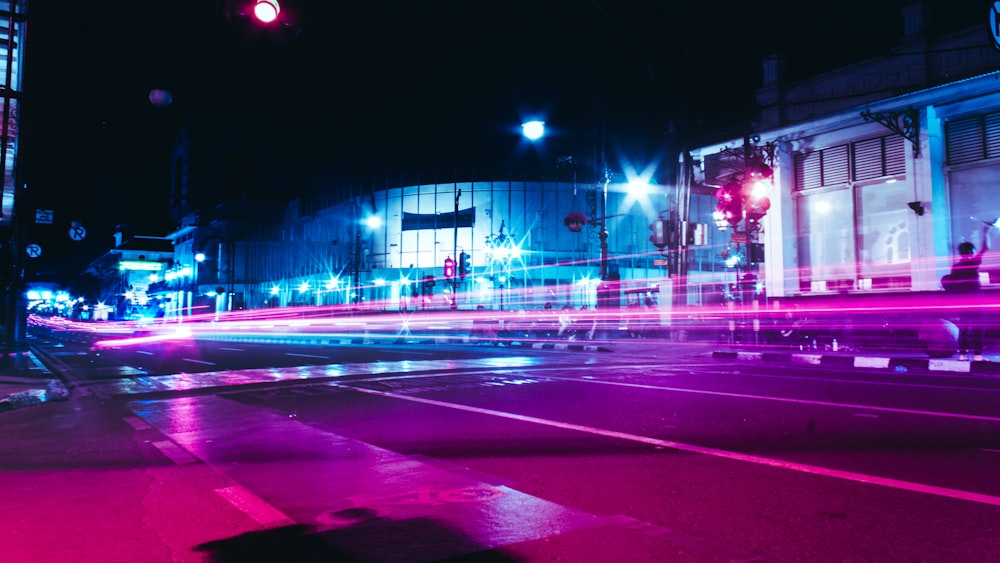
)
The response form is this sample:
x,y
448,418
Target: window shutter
x,y
965,141
868,159
808,170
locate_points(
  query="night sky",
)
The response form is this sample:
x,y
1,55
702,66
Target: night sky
x,y
393,89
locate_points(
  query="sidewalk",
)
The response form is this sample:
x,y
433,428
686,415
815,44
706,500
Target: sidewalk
x,y
891,361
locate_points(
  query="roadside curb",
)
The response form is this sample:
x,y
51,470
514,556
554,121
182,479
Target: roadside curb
x,y
883,363
415,340
40,386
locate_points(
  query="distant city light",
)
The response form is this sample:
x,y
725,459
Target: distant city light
x,y
533,130
275,290
140,265
373,222
637,187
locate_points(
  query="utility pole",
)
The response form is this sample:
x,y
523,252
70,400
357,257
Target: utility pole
x,y
454,278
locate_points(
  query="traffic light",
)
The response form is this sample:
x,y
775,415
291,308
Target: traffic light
x,y
463,265
756,209
661,233
449,268
756,189
266,11
730,209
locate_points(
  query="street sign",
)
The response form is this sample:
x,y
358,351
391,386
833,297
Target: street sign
x,y
739,238
43,216
994,23
33,250
77,232
659,262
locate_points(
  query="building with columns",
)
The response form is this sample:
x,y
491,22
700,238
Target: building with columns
x,y
880,168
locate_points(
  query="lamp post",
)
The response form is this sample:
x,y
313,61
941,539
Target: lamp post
x,y
454,277
371,222
228,259
501,244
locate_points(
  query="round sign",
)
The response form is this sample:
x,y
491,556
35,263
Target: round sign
x,y
993,24
77,232
33,250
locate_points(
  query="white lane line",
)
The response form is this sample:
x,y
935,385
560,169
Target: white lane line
x,y
232,349
203,362
146,352
176,454
785,399
801,467
253,506
136,423
865,415
990,450
307,356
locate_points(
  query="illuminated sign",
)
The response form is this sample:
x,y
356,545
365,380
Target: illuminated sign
x,y
140,265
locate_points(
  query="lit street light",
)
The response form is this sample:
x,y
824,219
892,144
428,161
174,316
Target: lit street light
x,y
266,11
533,130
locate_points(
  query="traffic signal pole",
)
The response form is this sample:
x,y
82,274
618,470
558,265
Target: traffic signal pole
x,y
454,277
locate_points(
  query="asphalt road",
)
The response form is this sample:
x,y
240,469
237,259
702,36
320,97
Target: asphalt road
x,y
653,452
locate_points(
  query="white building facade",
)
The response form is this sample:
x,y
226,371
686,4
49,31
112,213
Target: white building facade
x,y
881,169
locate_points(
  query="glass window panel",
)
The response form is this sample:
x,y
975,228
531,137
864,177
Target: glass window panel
x,y
884,235
828,239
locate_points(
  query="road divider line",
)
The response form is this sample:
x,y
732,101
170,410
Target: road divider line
x,y
785,399
176,454
253,506
202,362
136,423
781,464
307,356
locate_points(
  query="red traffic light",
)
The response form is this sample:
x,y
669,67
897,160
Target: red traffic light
x,y
266,11
449,268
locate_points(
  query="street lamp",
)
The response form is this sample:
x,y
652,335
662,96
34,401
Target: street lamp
x,y
266,11
533,130
371,222
503,249
229,262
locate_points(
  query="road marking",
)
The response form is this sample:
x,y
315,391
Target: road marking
x,y
232,349
871,362
786,399
137,423
176,454
146,352
307,356
990,450
253,506
804,468
203,362
865,415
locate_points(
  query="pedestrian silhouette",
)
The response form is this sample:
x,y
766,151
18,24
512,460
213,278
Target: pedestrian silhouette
x,y
963,280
